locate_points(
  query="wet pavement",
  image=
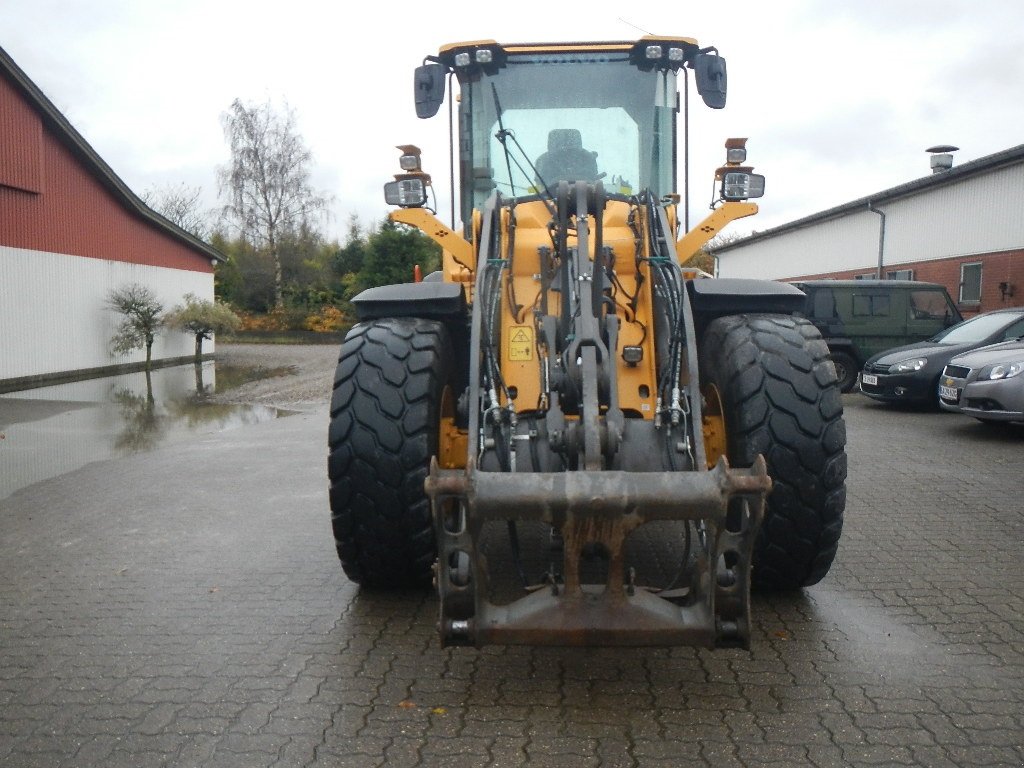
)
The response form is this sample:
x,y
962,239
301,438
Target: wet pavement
x,y
184,606
49,431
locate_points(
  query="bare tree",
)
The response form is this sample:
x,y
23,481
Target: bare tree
x,y
142,318
181,205
267,180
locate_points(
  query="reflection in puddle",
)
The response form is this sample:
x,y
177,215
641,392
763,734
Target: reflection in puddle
x,y
49,431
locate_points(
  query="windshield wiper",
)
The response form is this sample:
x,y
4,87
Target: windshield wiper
x,y
502,136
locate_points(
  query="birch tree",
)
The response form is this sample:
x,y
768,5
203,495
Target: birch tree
x,y
267,182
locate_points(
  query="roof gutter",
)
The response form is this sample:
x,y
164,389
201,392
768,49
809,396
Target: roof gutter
x,y
881,238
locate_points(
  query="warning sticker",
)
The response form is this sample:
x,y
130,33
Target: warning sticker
x,y
520,343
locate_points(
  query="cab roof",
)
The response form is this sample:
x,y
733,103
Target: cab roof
x,y
567,47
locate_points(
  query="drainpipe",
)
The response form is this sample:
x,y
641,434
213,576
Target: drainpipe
x,y
881,239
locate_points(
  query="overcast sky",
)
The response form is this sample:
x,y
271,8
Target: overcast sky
x,y
839,99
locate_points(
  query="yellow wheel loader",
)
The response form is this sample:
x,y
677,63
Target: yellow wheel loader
x,y
575,439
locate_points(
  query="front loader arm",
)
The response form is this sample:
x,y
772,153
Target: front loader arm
x,y
458,252
697,237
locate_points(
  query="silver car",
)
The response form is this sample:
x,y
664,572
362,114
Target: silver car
x,y
986,383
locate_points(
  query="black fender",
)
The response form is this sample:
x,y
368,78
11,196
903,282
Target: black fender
x,y
431,300
716,297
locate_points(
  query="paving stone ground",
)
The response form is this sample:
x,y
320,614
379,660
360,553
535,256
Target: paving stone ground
x,y
185,607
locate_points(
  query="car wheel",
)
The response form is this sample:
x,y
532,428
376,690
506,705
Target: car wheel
x,y
846,371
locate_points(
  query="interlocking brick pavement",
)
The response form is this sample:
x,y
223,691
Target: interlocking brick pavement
x,y
185,607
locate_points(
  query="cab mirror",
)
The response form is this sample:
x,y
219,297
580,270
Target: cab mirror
x,y
709,72
428,86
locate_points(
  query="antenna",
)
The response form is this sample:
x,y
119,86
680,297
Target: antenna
x,y
634,26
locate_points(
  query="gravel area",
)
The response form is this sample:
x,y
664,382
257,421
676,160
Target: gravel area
x,y
290,376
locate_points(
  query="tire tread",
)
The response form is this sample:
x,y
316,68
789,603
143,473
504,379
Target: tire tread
x,y
781,400
383,432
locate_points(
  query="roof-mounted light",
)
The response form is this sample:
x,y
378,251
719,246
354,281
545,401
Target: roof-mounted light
x,y
469,58
662,52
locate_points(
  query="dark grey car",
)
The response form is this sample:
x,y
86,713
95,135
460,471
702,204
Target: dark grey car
x,y
910,374
987,383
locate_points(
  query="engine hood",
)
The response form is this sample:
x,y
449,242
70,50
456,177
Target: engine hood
x,y
1006,351
927,349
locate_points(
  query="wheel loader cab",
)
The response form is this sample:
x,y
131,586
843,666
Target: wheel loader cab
x,y
567,388
524,115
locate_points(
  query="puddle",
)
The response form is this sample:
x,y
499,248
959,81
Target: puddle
x,y
49,431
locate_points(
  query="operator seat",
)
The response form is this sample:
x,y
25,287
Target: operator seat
x,y
566,159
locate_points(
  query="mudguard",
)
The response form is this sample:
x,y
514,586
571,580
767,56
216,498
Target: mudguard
x,y
431,300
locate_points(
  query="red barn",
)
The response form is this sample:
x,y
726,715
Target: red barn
x,y
70,232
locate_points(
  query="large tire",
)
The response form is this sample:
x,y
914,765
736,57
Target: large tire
x,y
846,371
384,429
779,398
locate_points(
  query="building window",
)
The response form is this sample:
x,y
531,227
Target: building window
x,y
900,274
865,276
970,283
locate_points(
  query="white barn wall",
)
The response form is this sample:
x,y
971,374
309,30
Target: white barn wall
x,y
53,314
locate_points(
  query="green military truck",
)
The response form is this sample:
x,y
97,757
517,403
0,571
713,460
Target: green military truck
x,y
859,318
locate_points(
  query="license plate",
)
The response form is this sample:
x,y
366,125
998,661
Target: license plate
x,y
867,378
949,393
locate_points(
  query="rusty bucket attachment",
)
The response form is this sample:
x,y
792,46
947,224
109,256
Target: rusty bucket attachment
x,y
601,508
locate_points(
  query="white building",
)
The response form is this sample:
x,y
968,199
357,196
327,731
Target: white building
x,y
961,227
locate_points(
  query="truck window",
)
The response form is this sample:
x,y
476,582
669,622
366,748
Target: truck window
x,y
928,305
870,305
824,304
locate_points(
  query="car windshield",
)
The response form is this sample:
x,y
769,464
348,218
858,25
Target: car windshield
x,y
977,328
